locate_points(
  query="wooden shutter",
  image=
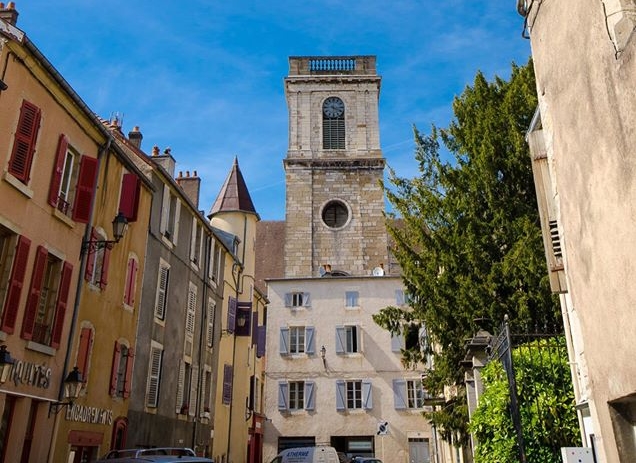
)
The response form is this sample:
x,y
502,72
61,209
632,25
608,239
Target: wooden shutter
x,y
341,339
103,278
112,389
255,328
309,340
180,386
90,257
131,278
261,341
165,210
341,395
284,337
129,370
129,197
16,282
310,397
152,395
85,190
399,394
58,170
86,339
306,300
231,314
210,324
397,342
227,384
162,292
24,142
61,304
367,394
288,299
194,382
35,290
283,396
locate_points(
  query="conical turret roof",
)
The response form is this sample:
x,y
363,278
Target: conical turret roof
x,y
234,195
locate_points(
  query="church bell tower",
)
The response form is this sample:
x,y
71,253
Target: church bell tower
x,y
333,167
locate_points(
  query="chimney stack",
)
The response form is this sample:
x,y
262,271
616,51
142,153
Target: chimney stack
x,y
135,137
190,186
165,160
9,13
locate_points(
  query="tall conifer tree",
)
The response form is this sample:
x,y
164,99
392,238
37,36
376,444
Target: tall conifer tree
x,y
467,232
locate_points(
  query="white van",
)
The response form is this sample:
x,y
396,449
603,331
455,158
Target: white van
x,y
322,454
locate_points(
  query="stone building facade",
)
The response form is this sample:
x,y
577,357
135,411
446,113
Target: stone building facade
x,y
582,143
333,376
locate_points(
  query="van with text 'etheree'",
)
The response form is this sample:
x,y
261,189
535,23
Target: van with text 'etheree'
x,y
322,454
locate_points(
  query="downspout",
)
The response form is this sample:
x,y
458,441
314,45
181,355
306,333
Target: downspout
x,y
236,277
202,343
78,292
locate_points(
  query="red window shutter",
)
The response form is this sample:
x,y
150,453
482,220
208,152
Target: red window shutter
x,y
129,198
34,292
58,170
85,190
90,258
105,263
60,309
112,390
24,142
86,338
129,368
16,282
129,294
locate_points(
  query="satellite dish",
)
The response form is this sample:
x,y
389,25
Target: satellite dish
x,y
378,272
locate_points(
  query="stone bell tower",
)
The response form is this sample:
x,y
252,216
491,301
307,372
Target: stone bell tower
x,y
333,168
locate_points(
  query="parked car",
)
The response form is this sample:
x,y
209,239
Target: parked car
x,y
321,454
365,460
154,455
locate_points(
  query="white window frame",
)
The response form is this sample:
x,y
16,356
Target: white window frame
x,y
352,299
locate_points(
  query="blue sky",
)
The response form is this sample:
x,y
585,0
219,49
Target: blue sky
x,y
205,77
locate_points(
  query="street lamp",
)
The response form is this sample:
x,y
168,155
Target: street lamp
x,y
120,225
6,362
72,387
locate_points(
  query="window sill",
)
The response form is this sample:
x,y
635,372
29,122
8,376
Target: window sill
x,y
352,307
63,218
41,348
167,242
18,185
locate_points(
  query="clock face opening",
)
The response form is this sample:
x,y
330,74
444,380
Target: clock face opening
x,y
333,107
335,214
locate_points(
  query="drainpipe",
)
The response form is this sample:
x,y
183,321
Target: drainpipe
x,y
78,292
237,270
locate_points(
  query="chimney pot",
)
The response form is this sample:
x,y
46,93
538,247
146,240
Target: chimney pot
x,y
9,13
155,150
135,136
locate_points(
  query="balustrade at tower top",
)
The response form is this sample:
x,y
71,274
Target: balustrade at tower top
x,y
334,65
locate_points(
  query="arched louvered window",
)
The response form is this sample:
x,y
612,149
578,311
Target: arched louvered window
x,y
333,124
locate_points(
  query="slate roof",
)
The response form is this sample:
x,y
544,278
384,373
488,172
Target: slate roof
x,y
234,195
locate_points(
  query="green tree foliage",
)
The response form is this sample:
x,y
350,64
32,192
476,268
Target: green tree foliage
x,y
546,400
466,232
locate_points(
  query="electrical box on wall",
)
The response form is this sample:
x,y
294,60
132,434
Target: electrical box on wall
x,y
577,455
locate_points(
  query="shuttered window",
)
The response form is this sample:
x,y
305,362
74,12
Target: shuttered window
x,y
154,375
131,281
121,371
16,283
47,300
162,290
227,384
24,142
85,190
83,352
129,196
348,339
209,334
